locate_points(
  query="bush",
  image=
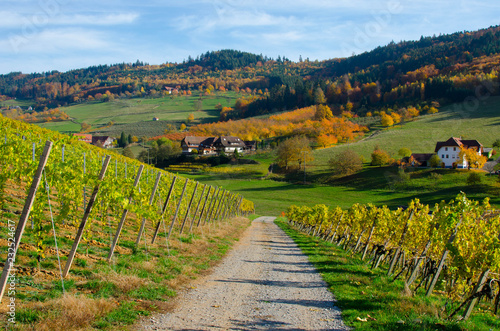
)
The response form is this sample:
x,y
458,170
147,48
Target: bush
x,y
474,178
435,161
380,157
345,163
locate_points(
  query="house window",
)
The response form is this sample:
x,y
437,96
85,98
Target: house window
x,y
447,156
454,149
442,156
446,148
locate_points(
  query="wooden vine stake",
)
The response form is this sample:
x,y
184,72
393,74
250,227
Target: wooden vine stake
x,y
188,208
400,244
151,199
197,208
211,206
163,210
13,246
124,214
86,215
443,259
368,240
177,209
478,288
204,205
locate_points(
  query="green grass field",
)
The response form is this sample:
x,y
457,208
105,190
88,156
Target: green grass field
x,y
420,136
377,185
137,114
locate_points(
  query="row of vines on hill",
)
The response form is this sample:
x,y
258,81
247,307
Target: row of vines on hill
x,y
71,175
453,250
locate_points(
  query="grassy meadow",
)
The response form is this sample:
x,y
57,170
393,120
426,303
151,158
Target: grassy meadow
x,y
420,136
135,116
381,186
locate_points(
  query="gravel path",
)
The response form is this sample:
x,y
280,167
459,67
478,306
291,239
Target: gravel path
x,y
265,283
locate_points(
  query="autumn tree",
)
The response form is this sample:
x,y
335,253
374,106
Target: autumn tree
x,y
404,152
386,120
323,112
345,163
295,149
380,157
319,96
127,151
183,127
474,160
190,118
84,127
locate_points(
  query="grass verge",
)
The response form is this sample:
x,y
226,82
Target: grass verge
x,y
107,296
370,301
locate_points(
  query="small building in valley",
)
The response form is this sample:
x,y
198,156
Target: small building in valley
x,y
86,138
228,144
449,150
420,159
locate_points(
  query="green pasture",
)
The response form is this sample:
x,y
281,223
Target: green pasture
x,y
479,121
137,114
380,186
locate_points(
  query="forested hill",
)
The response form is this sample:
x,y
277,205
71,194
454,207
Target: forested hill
x,y
447,67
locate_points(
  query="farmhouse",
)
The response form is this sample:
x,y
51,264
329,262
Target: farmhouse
x,y
420,159
86,138
448,151
229,145
213,145
104,141
202,145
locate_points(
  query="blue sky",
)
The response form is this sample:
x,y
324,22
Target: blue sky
x,y
45,35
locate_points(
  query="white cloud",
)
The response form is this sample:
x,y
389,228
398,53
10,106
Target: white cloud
x,y
54,41
14,20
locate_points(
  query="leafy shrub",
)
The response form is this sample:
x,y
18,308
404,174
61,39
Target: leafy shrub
x,y
474,178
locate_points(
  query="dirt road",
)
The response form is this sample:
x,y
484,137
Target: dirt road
x,y
265,283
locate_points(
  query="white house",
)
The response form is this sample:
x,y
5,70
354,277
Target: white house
x,y
449,150
229,144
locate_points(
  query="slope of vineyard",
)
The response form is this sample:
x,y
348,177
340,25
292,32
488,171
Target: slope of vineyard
x,y
452,251
146,265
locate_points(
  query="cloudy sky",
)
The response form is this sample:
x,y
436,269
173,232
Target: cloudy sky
x,y
43,35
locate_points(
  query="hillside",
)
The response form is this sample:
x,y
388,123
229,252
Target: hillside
x,y
446,68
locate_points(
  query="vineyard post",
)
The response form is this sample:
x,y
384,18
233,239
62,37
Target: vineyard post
x,y
33,152
85,217
204,205
11,256
219,205
443,259
478,288
400,244
238,210
124,214
197,208
336,228
84,188
415,270
327,233
229,207
177,209
164,208
211,206
369,239
151,200
189,208
359,240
